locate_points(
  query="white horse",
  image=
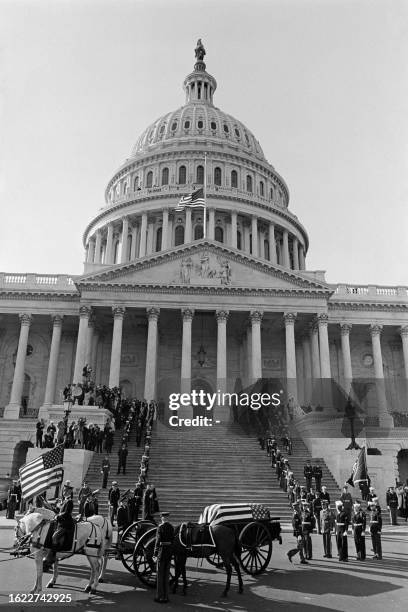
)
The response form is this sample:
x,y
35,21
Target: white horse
x,y
92,538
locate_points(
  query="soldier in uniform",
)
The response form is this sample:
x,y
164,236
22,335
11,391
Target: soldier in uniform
x,y
375,528
317,475
347,502
392,505
83,495
359,526
113,497
308,473
324,495
342,523
163,551
308,524
328,523
317,509
298,533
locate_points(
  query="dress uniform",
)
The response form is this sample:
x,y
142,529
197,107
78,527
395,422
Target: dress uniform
x,y
328,521
308,473
298,533
342,523
392,505
359,526
318,474
308,524
163,550
375,529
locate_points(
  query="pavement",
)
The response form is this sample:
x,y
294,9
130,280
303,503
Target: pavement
x,y
325,585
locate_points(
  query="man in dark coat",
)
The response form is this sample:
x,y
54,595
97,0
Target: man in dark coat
x,y
317,508
324,495
376,528
163,551
122,517
359,526
342,523
347,502
13,499
113,498
308,524
298,533
122,458
392,505
39,434
327,518
308,473
83,495
65,524
67,490
317,475
105,469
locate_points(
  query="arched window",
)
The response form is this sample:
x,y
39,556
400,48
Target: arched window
x,y
219,234
239,240
261,188
149,179
179,235
165,176
217,176
200,175
234,178
266,249
182,175
159,234
271,193
198,232
249,183
136,183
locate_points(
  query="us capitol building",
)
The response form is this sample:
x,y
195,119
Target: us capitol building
x,y
161,307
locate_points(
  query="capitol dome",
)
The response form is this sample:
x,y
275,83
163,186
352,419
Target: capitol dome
x,y
196,145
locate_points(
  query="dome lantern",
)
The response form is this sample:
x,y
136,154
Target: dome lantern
x,y
199,85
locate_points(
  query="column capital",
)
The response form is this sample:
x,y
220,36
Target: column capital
x,y
25,318
289,318
57,320
345,328
403,330
118,312
85,311
221,315
255,316
187,314
313,329
322,319
153,313
375,330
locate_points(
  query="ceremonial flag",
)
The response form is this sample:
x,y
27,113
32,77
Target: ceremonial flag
x,y
233,513
42,473
359,472
192,200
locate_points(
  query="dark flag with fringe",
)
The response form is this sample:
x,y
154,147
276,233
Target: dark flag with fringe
x,y
359,472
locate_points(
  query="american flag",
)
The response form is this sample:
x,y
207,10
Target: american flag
x,y
192,200
233,513
42,473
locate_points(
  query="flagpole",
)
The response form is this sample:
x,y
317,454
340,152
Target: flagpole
x,y
205,196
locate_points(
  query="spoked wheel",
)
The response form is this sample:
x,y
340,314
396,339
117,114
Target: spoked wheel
x,y
256,548
215,560
144,566
128,541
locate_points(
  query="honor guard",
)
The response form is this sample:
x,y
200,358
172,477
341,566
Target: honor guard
x,y
342,523
163,551
308,524
317,475
359,527
375,528
328,521
298,533
308,473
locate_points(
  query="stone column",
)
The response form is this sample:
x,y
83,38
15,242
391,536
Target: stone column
x,y
211,224
322,324
12,411
254,231
307,368
295,247
272,244
246,232
222,316
187,232
248,355
49,397
125,232
151,354
109,245
285,245
290,318
256,348
404,337
91,250
315,352
150,238
261,245
345,329
185,382
302,262
385,419
89,339
165,230
133,250
143,231
234,229
98,247
114,372
84,314
94,354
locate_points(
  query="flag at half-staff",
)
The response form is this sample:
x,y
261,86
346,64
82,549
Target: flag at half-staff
x,y
359,472
41,473
191,200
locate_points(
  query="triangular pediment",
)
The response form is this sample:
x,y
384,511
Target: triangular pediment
x,y
204,263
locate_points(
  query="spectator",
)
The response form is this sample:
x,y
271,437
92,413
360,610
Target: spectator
x,y
122,458
105,469
113,497
39,433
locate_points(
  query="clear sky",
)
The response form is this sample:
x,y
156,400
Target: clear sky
x,y
323,85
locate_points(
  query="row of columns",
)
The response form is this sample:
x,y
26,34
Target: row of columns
x,y
316,361
146,246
